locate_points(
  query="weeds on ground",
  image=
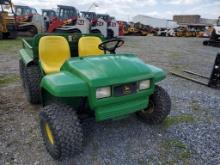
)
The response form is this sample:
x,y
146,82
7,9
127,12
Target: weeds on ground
x,y
173,120
195,105
10,46
174,55
6,79
174,151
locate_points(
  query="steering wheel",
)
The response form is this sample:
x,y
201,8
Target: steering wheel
x,y
111,45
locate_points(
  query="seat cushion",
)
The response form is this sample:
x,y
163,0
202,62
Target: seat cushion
x,y
88,46
53,52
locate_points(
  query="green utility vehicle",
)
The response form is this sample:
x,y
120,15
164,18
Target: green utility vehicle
x,y
79,76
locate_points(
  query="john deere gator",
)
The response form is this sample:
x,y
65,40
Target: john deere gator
x,y
75,77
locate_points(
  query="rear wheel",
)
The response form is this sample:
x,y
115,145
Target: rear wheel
x,y
158,109
21,70
61,131
32,78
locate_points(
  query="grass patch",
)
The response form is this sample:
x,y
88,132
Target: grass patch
x,y
173,151
173,120
7,79
195,105
174,56
178,67
10,46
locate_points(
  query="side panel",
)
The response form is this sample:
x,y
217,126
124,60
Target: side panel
x,y
26,58
26,53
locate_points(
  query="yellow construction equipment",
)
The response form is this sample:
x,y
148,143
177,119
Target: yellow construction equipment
x,y
8,26
136,29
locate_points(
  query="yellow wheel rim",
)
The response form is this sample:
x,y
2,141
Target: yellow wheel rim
x,y
49,134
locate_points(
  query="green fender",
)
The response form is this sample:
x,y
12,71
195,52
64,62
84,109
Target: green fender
x,y
158,74
26,53
26,57
64,84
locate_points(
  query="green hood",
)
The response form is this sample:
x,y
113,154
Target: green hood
x,y
111,69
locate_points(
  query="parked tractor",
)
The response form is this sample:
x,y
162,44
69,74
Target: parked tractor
x,y
137,29
206,33
97,25
113,28
112,25
131,30
184,31
123,27
69,21
143,29
29,20
161,32
180,31
8,26
76,77
49,13
215,35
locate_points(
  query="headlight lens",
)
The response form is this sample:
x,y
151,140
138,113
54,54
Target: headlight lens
x,y
103,92
145,84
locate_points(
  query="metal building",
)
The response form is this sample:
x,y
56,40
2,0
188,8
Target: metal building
x,y
155,22
193,19
187,19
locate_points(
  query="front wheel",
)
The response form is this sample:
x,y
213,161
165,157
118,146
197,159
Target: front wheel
x,y
61,131
158,109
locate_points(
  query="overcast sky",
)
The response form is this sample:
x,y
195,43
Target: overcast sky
x,y
127,9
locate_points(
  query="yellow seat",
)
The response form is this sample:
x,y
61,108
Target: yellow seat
x,y
88,46
53,52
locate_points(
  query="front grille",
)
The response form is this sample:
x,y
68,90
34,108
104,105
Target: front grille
x,y
125,89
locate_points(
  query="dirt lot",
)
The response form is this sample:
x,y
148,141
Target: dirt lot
x,y
190,135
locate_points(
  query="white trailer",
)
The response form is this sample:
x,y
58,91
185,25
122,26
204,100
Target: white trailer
x,y
155,22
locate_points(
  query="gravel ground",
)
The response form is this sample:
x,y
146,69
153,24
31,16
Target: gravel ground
x,y
190,135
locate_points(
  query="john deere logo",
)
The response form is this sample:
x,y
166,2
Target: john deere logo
x,y
127,89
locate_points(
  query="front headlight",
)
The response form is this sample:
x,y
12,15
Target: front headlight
x,y
145,84
103,92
